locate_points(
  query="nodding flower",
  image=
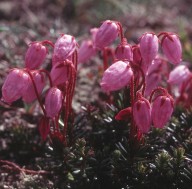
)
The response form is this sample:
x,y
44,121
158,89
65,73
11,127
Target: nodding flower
x,y
149,45
171,46
106,34
39,81
142,114
53,102
162,110
124,52
86,51
179,74
15,85
35,55
117,76
64,47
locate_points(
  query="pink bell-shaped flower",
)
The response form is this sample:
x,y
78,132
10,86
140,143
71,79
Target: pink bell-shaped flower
x,y
142,114
106,34
149,47
35,55
124,52
39,80
59,74
53,102
162,110
172,49
64,47
180,74
117,76
15,85
86,51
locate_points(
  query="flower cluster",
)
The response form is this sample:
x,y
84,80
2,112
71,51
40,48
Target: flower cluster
x,y
29,82
141,68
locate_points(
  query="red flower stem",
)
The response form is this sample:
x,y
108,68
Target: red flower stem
x,y
132,95
70,86
105,59
36,92
143,79
121,32
66,116
160,89
12,166
48,42
56,123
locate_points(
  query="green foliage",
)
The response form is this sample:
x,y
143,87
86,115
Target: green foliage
x,y
104,157
101,155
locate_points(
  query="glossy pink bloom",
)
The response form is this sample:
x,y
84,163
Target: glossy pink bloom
x,y
86,51
162,110
149,47
30,95
35,55
53,102
106,34
124,52
117,76
172,49
64,47
142,114
59,74
180,74
15,85
44,128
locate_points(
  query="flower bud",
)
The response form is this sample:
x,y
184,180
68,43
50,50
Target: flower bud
x,y
124,114
142,114
117,76
106,34
124,52
86,51
162,110
15,85
39,80
44,128
64,47
180,74
172,49
149,47
53,102
35,55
